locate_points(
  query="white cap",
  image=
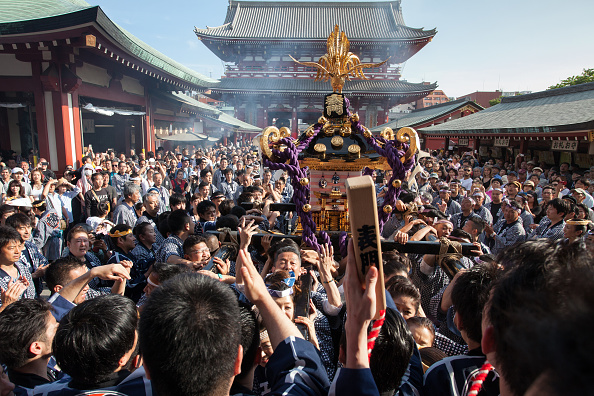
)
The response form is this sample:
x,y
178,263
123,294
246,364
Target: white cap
x,y
17,170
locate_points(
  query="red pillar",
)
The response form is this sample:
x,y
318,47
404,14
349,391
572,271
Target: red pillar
x,y
149,136
62,105
40,113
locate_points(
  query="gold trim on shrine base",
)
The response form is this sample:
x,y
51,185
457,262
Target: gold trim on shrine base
x,y
314,163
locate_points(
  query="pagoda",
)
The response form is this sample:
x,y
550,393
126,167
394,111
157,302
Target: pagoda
x,y
259,40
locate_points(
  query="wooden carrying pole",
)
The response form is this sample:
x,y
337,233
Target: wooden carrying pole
x,y
366,234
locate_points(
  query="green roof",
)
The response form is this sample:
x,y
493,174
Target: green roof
x,y
209,112
426,114
557,110
27,16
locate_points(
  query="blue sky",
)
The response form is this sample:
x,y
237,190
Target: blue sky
x,y
521,45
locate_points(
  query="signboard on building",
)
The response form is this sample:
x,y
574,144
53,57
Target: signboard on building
x,y
501,142
564,145
591,136
463,142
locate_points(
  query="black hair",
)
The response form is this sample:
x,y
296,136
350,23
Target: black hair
x,y
393,349
162,224
470,294
22,323
76,230
401,286
250,339
204,206
93,336
238,211
166,271
560,205
460,233
176,199
228,221
226,206
141,228
287,248
58,272
192,241
19,220
477,223
394,263
205,172
536,282
177,221
202,184
181,327
5,208
96,175
421,322
227,170
9,234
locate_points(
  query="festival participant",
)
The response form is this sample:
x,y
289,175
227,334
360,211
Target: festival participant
x,y
162,190
405,295
445,203
526,306
552,225
125,213
31,256
96,345
196,251
512,189
152,208
422,330
111,191
120,178
224,352
576,230
28,328
181,226
36,184
507,231
466,181
123,242
47,234
455,191
15,278
479,209
525,215
78,247
95,195
207,211
228,186
459,219
14,190
468,295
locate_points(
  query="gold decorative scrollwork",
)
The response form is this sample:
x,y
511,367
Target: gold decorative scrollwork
x,y
387,134
269,134
408,135
285,132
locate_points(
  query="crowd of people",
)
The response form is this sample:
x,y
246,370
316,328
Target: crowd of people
x,y
118,276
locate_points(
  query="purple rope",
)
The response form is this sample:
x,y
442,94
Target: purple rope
x,y
301,192
343,243
393,151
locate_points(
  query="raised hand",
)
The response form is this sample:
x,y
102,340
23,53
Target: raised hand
x,y
246,230
13,292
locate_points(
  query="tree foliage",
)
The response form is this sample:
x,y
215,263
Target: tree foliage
x,y
495,101
586,77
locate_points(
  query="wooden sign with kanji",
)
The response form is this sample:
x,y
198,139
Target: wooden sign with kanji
x,y
365,230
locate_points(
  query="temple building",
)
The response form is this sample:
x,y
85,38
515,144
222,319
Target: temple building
x,y
71,78
266,87
550,127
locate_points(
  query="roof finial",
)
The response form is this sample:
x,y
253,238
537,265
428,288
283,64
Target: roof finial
x,y
338,64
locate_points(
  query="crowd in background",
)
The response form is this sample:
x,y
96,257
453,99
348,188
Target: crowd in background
x,y
86,248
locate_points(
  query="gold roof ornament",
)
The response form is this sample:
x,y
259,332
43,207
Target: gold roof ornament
x,y
339,64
